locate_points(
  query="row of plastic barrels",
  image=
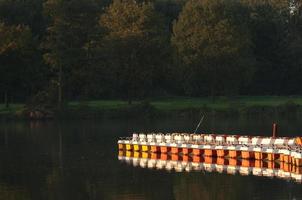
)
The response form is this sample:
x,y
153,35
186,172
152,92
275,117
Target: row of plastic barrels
x,y
230,166
214,138
293,156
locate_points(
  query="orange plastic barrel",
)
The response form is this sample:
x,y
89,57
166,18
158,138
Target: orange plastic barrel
x,y
234,153
299,141
186,158
210,152
272,156
209,160
175,157
175,150
198,159
120,146
197,152
186,151
258,155
164,149
155,149
164,156
221,153
233,162
222,161
247,163
258,163
247,154
287,158
154,156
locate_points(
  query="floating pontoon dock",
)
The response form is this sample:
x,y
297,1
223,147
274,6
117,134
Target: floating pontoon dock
x,y
280,149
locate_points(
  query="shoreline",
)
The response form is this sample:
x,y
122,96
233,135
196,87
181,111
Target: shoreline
x,y
177,108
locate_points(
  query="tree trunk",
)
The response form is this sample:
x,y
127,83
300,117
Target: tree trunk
x,y
6,102
60,88
131,76
213,83
212,92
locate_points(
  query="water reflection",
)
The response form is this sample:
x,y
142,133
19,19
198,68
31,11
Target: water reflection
x,y
187,163
77,160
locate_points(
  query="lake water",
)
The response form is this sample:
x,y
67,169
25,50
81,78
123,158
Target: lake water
x,y
79,160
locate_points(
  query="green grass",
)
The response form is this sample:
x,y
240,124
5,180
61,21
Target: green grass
x,y
176,103
13,108
101,104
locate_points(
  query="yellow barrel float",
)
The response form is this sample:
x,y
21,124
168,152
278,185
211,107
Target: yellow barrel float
x,y
136,146
120,146
154,147
145,146
128,145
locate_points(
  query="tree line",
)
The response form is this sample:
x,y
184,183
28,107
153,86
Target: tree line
x,y
59,50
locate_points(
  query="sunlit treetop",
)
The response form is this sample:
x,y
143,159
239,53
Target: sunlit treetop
x,y
126,18
13,37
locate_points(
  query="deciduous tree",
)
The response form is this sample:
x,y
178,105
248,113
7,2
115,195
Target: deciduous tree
x,y
135,42
213,42
14,46
72,24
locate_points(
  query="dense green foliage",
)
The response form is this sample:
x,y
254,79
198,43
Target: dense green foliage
x,y
214,45
59,50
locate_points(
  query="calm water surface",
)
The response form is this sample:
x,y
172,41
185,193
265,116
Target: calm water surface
x,y
79,160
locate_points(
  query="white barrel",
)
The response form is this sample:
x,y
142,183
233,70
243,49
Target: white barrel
x,y
188,138
150,137
168,138
142,137
209,138
298,155
232,139
256,140
134,136
244,140
143,163
267,141
159,138
176,137
279,141
291,142
220,138
197,138
179,138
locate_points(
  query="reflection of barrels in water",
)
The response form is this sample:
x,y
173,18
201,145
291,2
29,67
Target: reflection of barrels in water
x,y
182,163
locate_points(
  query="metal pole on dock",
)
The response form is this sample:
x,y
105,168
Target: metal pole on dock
x,y
275,130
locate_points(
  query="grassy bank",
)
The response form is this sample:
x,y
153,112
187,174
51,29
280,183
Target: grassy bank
x,y
12,110
181,103
239,105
